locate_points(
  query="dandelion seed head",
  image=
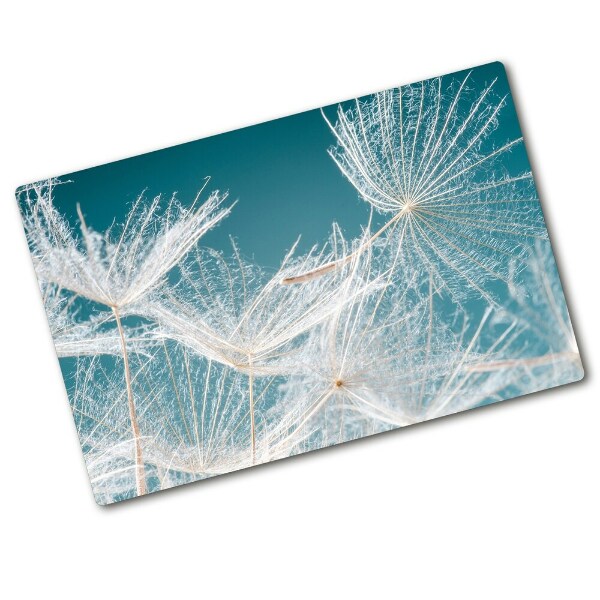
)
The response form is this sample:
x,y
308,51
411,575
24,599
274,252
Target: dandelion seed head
x,y
424,156
236,313
192,415
121,266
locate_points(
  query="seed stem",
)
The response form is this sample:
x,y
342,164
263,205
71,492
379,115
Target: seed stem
x,y
140,474
332,266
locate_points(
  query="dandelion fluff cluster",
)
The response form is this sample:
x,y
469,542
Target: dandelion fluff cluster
x,y
183,362
422,155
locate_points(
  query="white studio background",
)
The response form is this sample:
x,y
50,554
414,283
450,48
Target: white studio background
x,y
500,502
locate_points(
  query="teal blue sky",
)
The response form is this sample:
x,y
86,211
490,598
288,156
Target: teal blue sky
x,y
280,173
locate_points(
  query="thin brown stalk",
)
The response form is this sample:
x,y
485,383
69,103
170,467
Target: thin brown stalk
x,y
140,474
334,265
522,362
